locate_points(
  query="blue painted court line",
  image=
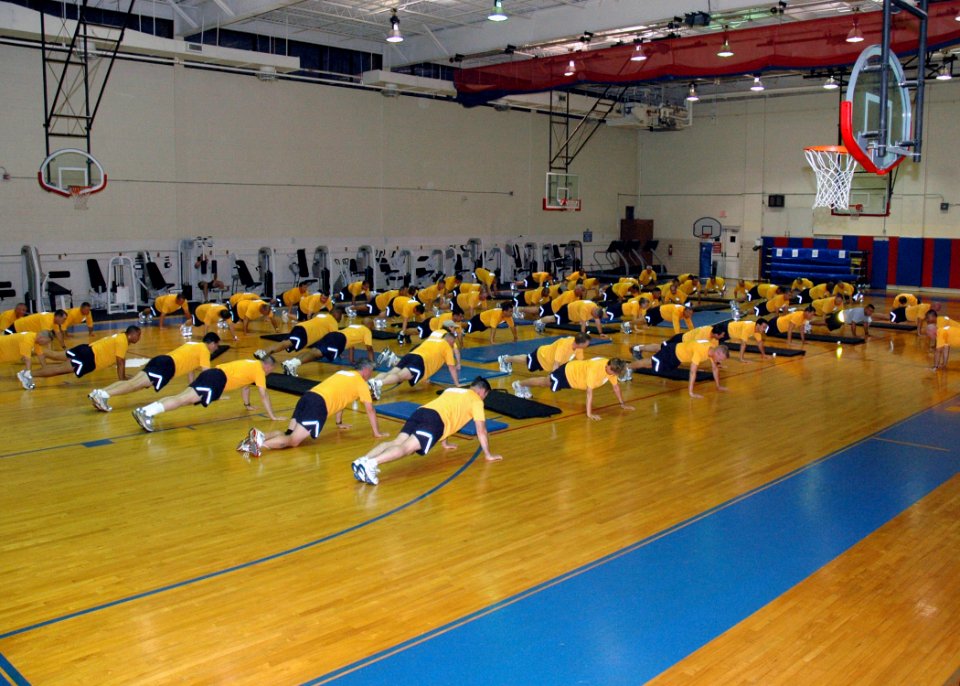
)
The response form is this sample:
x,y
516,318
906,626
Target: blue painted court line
x,y
8,671
97,444
631,615
267,558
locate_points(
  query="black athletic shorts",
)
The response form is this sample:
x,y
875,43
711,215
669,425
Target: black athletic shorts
x,y
82,359
545,311
332,345
209,385
615,310
562,315
653,316
833,321
725,326
390,311
414,363
773,329
475,325
673,340
558,379
753,293
804,296
297,338
426,426
665,359
311,413
533,362
898,315
160,370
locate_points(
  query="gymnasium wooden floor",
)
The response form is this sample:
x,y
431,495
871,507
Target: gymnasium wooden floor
x,y
133,558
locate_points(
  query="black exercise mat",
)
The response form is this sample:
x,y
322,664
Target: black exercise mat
x,y
503,402
275,336
818,337
384,335
678,374
219,351
591,328
899,326
709,306
782,352
290,384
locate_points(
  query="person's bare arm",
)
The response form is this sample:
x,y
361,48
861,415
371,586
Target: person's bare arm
x,y
122,368
590,413
693,380
374,425
484,441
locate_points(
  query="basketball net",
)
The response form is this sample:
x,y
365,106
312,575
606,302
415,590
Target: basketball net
x,y
79,197
834,167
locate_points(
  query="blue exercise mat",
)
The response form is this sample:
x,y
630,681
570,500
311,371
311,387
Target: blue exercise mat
x,y
490,353
703,319
404,408
467,374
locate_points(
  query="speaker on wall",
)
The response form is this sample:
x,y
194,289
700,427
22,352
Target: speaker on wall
x,y
775,200
629,213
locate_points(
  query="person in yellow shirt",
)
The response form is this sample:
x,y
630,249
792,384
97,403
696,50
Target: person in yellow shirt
x,y
291,297
352,291
743,331
945,337
210,385
632,312
689,288
306,333
548,357
487,280
251,310
784,325
164,305
828,310
447,321
332,346
533,298
75,315
406,308
313,304
821,290
672,313
329,397
618,292
670,293
213,316
577,312
801,284
668,357
777,299
583,375
240,297
714,335
420,363
648,276
431,424
468,302
715,285
844,288
8,317
377,304
22,347
85,358
905,300
742,288
41,321
452,284
762,291
914,314
432,295
535,281
555,303
491,319
161,370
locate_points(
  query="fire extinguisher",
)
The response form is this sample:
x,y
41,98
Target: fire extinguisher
x,y
670,249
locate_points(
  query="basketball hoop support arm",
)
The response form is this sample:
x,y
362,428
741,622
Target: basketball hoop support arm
x,y
911,147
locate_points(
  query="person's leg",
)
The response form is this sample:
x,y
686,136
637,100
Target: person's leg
x,y
539,381
172,402
394,376
53,370
279,441
515,359
138,382
401,446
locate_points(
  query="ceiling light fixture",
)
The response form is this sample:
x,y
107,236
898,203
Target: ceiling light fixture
x,y
725,50
394,36
831,84
571,68
692,94
498,14
855,35
757,84
945,72
638,54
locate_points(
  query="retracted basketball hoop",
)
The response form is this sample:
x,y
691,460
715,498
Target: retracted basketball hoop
x,y
834,167
74,174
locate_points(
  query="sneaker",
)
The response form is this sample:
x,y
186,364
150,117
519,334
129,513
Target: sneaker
x,y
254,442
393,359
285,317
351,312
291,366
244,446
637,352
145,422
26,379
625,327
400,338
186,330
99,400
518,315
366,471
505,366
376,388
142,318
520,391
627,375
807,328
383,357
539,326
260,354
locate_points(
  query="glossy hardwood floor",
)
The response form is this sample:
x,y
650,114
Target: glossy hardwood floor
x,y
133,558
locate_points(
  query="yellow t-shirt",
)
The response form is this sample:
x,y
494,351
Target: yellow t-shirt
x,y
688,288
429,294
7,318
357,288
715,284
911,299
75,315
437,323
315,302
634,308
435,353
342,388
819,291
167,304
743,331
948,335
559,352
318,327
917,312
382,300
492,317
190,356
243,373
564,298
41,321
701,333
667,295
240,297
209,313
693,352
292,296
825,306
647,276
540,278
622,288
844,288
767,290
456,407
674,314
592,373
468,300
485,276
535,296
357,334
250,309
15,346
107,350
795,318
581,310
800,284
450,282
774,303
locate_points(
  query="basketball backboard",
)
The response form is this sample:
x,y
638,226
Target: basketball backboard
x,y
562,192
70,172
860,112
869,195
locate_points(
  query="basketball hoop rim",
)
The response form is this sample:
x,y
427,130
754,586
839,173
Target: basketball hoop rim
x,y
838,149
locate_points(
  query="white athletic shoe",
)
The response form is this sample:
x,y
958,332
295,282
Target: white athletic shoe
x,y
627,375
539,326
244,446
392,359
351,312
383,358
260,354
505,366
637,352
807,328
26,380
186,331
520,391
255,440
366,471
625,327
145,422
291,366
99,400
142,318
376,388
518,316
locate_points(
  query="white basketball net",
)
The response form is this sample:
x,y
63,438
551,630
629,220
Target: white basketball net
x,y
834,172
